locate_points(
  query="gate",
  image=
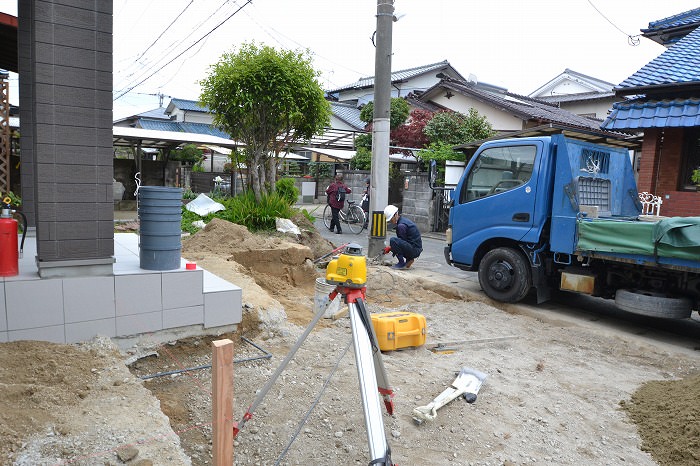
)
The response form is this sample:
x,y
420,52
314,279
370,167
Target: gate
x,y
442,196
441,208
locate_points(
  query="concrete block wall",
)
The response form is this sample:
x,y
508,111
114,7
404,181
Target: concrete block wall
x,y
418,203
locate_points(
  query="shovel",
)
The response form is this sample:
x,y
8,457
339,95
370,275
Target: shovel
x,y
467,384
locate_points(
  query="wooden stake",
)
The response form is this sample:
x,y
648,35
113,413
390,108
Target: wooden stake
x,y
222,402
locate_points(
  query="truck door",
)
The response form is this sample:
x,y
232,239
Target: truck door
x,y
495,198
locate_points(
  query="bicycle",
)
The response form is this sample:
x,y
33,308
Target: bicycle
x,y
351,214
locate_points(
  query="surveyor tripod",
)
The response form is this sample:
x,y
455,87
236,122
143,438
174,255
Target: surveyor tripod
x,y
348,273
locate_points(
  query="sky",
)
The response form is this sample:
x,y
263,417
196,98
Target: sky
x,y
167,46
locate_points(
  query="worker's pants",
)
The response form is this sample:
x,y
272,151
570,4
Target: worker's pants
x,y
402,248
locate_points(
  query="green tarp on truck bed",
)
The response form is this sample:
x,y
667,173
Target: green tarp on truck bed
x,y
677,237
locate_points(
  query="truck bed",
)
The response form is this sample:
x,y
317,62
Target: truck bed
x,y
673,241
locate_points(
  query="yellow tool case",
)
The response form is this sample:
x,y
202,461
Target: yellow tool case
x,y
396,330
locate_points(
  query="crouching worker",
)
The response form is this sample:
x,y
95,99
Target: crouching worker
x,y
407,245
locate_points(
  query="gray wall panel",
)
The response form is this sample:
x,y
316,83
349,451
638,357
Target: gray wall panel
x,y
67,65
101,6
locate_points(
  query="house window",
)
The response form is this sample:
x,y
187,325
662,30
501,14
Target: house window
x,y
691,158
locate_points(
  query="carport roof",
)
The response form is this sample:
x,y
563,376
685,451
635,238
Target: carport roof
x,y
127,136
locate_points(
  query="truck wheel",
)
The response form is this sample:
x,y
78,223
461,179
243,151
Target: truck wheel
x,y
504,275
652,304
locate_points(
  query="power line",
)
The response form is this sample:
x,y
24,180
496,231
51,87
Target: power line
x,y
164,56
632,40
183,52
165,30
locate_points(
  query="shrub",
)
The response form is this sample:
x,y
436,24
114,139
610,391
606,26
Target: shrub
x,y
245,210
286,189
695,177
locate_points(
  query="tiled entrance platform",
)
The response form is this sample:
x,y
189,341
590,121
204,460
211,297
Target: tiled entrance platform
x,y
130,303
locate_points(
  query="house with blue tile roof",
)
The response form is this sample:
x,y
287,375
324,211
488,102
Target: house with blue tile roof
x,y
664,104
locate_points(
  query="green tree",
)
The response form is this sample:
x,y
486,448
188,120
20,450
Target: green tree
x,y
266,99
440,152
189,153
363,141
398,112
457,128
362,159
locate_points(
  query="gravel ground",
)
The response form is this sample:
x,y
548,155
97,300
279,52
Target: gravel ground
x,y
558,391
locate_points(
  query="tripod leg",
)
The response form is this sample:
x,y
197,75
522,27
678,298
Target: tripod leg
x,y
258,399
383,384
378,447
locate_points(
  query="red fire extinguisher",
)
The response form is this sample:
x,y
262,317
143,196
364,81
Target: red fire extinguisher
x,y
9,255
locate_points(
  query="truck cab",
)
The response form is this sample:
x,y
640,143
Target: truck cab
x,y
554,212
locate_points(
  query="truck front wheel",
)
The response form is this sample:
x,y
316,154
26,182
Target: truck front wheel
x,y
504,275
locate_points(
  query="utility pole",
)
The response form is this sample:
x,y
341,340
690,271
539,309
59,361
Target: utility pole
x,y
379,186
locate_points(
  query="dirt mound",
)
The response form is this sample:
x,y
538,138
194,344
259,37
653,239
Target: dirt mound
x,y
60,402
276,272
667,414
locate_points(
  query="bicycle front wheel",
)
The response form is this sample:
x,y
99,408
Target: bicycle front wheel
x,y
356,219
327,216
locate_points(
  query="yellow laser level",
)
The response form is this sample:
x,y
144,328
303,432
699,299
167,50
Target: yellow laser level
x,y
349,269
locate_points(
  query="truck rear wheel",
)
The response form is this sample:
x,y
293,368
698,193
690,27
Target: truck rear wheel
x,y
652,304
504,275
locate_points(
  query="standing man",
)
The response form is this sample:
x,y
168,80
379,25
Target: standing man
x,y
407,244
336,192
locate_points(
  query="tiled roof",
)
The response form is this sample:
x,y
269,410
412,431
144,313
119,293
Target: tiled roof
x,y
678,64
524,107
158,125
400,75
414,100
349,113
189,105
181,127
583,96
157,113
203,128
681,19
641,114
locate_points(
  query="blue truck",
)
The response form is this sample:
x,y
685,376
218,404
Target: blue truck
x,y
551,212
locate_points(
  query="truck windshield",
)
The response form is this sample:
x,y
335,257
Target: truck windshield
x,y
499,169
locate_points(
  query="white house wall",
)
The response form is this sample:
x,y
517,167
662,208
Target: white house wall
x,y
598,107
500,120
192,117
362,96
565,87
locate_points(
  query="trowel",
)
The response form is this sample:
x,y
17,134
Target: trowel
x,y
467,384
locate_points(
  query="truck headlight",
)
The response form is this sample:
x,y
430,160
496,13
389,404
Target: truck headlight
x,y
448,235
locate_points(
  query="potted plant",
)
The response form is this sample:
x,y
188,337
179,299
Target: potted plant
x,y
695,178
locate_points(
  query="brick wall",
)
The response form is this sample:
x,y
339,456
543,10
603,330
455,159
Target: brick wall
x,y
659,172
681,204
